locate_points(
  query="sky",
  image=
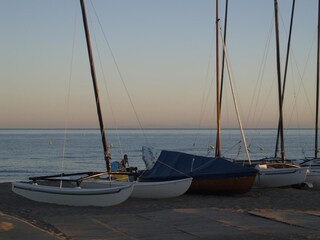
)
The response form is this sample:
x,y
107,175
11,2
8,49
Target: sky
x,y
165,54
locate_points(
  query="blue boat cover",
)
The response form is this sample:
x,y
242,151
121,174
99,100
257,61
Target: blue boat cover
x,y
176,165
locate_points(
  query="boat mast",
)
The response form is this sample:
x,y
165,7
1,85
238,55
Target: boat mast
x,y
218,142
285,73
95,86
279,79
317,96
223,52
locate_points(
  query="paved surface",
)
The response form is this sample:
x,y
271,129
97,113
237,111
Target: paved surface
x,y
191,224
12,228
269,214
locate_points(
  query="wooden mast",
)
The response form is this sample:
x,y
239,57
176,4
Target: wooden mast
x,y
95,86
317,91
279,79
285,73
218,142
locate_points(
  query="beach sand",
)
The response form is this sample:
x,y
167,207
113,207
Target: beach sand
x,y
288,213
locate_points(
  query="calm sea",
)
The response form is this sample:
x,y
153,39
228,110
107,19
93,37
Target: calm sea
x,y
25,153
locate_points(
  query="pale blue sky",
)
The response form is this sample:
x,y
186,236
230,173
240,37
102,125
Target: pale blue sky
x,y
163,50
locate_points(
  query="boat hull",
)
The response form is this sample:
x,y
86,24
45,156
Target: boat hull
x,y
88,195
163,189
235,185
286,176
313,176
211,175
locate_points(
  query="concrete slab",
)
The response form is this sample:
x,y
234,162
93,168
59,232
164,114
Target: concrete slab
x,y
16,229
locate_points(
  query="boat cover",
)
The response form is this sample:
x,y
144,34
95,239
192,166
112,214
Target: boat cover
x,y
173,165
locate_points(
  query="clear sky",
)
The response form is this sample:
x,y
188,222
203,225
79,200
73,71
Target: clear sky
x,y
165,53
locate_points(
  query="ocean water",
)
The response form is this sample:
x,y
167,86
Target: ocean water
x,y
26,153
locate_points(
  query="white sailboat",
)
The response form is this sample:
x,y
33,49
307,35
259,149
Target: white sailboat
x,y
77,189
313,176
273,173
87,194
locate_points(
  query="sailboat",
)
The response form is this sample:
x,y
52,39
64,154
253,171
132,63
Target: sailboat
x,y
273,173
211,175
97,188
77,189
313,176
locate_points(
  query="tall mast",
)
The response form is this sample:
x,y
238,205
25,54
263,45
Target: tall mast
x,y
279,79
317,96
285,73
95,86
218,143
223,52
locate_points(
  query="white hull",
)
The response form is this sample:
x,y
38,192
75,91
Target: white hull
x,y
158,190
313,177
90,194
279,177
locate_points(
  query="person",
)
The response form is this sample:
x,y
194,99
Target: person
x,y
125,162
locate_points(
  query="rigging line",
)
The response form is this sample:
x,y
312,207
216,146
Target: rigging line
x,y
234,145
266,100
69,91
301,85
106,85
296,106
206,93
172,168
262,68
120,75
234,97
295,99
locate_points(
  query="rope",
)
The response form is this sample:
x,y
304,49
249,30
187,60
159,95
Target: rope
x,y
234,97
256,93
120,75
205,94
168,167
68,94
106,87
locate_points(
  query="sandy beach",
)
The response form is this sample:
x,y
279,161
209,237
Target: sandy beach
x,y
260,214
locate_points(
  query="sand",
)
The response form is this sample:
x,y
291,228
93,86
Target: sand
x,y
287,213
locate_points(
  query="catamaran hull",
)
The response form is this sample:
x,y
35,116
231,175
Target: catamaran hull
x,y
158,190
94,195
235,185
280,177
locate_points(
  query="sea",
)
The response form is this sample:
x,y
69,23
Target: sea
x,y
27,153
